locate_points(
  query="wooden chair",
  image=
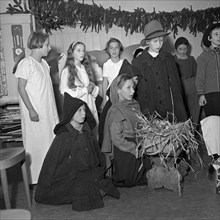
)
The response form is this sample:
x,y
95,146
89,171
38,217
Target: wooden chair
x,y
8,158
13,214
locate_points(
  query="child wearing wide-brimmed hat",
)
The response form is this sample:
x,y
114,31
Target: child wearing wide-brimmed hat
x,y
159,88
208,89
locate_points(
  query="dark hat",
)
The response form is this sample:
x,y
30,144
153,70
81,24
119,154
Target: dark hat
x,y
180,41
152,30
205,38
128,69
70,107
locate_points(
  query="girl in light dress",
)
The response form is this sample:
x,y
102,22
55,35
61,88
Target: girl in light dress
x,y
37,103
112,66
74,79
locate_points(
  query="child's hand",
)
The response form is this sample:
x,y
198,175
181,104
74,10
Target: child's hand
x,y
90,87
33,116
102,105
202,100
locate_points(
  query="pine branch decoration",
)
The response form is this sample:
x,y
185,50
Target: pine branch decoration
x,y
52,15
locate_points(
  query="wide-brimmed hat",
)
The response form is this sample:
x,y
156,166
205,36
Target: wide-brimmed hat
x,y
205,38
152,30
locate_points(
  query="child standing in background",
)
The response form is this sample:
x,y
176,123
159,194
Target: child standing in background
x,y
112,66
208,89
187,67
159,88
37,102
75,80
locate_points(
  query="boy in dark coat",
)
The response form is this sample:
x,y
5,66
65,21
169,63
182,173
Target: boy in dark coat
x,y
73,169
159,87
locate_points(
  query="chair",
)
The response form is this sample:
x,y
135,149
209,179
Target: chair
x,y
13,214
8,158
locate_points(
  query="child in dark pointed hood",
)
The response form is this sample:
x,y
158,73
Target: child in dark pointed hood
x,y
73,170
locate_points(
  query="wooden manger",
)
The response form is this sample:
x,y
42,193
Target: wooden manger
x,y
165,143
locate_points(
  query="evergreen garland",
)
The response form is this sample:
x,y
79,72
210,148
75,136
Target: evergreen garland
x,y
53,14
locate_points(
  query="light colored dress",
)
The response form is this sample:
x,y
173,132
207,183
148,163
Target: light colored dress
x,y
111,70
37,136
81,90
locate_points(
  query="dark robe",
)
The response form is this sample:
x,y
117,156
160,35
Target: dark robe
x,y
73,172
159,88
73,169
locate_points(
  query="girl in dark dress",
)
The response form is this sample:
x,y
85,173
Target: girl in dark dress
x,y
73,169
187,67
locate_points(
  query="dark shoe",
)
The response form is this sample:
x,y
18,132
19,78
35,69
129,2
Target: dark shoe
x,y
211,173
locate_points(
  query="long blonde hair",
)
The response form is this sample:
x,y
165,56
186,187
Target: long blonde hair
x,y
70,64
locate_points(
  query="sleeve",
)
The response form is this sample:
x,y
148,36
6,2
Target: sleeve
x,y
105,70
51,162
119,140
95,91
77,92
23,70
194,66
200,75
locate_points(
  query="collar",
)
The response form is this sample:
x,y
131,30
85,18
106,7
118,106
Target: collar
x,y
73,131
181,58
146,57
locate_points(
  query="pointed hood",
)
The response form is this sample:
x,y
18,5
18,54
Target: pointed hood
x,y
128,69
70,107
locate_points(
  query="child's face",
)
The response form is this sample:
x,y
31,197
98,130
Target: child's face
x,y
215,37
79,53
155,44
80,115
46,48
114,49
127,90
182,50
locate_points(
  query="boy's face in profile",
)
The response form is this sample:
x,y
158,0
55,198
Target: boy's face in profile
x,y
80,115
215,37
155,44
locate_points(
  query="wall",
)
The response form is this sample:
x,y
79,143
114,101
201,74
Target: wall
x,y
60,40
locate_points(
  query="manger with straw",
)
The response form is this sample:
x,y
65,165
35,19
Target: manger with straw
x,y
165,141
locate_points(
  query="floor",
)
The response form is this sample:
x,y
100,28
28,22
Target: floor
x,y
198,202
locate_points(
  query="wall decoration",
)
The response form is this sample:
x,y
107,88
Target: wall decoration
x,y
3,77
52,15
18,46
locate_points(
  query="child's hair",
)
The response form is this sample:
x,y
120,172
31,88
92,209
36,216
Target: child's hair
x,y
180,41
137,52
112,39
70,64
36,40
87,63
123,78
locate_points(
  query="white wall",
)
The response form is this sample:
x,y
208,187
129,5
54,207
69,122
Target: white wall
x,y
96,41
61,40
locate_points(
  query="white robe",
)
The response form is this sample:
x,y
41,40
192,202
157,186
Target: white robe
x,y
211,133
81,90
37,136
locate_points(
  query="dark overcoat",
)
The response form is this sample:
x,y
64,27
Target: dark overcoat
x,y
159,88
73,172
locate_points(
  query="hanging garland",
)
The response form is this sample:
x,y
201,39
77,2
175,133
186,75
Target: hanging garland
x,y
53,14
